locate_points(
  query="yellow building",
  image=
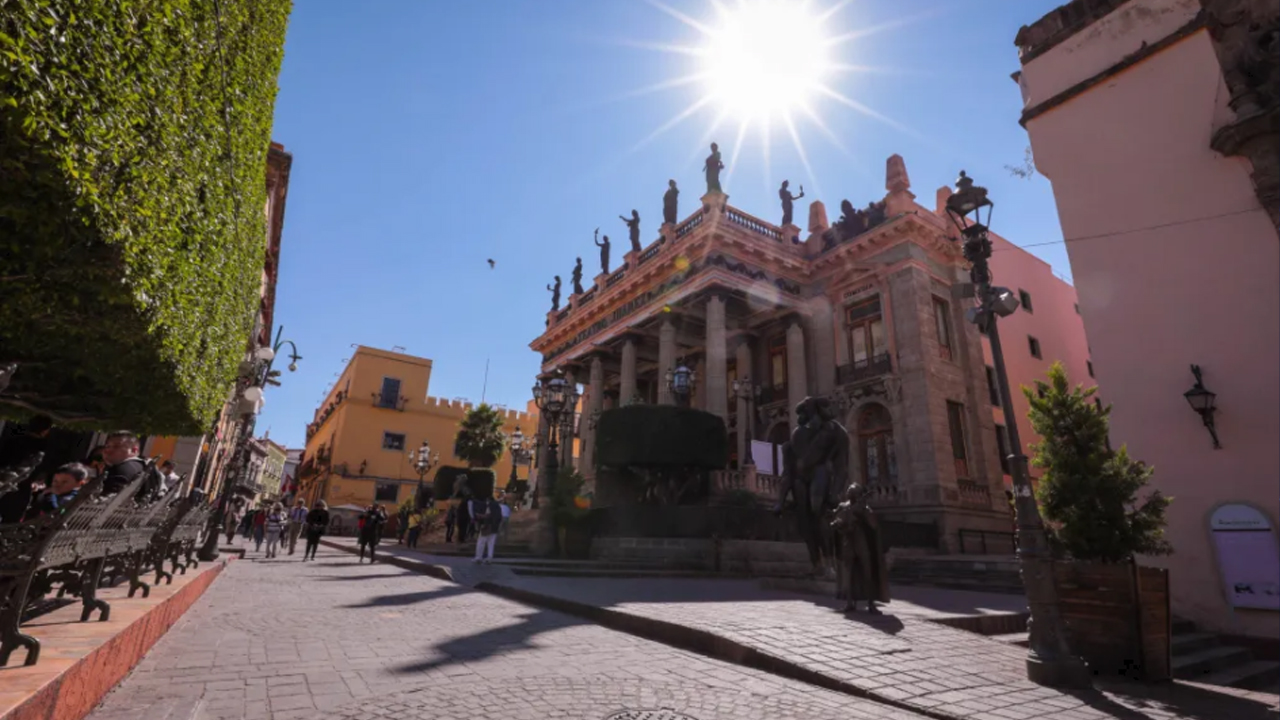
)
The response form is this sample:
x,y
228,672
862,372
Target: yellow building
x,y
378,412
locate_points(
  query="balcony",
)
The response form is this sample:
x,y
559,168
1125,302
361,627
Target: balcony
x,y
390,402
859,370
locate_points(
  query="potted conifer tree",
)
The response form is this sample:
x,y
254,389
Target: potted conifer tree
x,y
1101,518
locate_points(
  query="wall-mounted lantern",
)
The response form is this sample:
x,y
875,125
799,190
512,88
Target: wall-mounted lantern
x,y
1202,401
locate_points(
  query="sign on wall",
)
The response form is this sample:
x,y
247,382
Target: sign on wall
x,y
1247,556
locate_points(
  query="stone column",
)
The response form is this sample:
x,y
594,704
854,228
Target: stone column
x,y
666,361
627,385
797,378
568,426
746,421
717,370
594,403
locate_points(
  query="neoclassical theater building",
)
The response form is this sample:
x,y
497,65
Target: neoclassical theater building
x,y
868,310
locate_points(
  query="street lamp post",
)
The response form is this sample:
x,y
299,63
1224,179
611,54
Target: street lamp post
x,y
422,461
553,399
517,456
531,455
1049,660
257,375
743,389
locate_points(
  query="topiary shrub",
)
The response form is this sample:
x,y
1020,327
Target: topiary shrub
x,y
131,212
480,481
653,436
480,440
658,453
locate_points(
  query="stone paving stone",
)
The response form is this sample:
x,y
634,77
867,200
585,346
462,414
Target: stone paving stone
x,y
285,639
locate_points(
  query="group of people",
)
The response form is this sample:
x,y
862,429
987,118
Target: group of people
x,y
271,524
480,519
55,483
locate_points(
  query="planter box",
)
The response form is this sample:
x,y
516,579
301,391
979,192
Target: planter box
x,y
1118,618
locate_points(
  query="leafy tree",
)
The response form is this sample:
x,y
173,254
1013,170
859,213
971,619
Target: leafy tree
x,y
1089,492
480,440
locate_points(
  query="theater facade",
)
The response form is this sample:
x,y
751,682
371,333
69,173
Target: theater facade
x,y
868,311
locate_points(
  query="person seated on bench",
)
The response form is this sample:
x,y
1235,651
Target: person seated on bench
x,y
120,453
63,488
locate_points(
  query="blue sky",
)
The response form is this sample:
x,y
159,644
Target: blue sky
x,y
430,136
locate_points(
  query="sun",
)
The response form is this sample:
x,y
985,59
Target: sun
x,y
765,60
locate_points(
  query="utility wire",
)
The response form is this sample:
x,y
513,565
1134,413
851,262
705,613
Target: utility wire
x,y
1135,230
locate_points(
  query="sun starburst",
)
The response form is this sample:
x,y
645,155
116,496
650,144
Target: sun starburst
x,y
768,65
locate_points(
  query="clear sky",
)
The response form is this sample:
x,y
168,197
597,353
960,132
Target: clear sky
x,y
429,136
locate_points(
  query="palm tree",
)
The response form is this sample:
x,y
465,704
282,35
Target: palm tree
x,y
480,440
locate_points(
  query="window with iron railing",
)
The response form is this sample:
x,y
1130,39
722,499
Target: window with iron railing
x,y
392,441
959,450
778,363
993,387
941,317
389,397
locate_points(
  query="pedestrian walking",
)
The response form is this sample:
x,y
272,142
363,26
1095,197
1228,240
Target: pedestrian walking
x,y
419,527
259,528
232,522
450,520
371,530
297,519
464,521
402,524
506,518
274,523
317,524
487,519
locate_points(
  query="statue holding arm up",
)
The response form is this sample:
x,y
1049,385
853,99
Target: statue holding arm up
x,y
787,199
604,251
633,228
555,294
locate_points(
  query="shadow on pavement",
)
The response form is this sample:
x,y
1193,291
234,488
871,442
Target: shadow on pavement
x,y
496,641
886,623
350,578
412,598
1172,699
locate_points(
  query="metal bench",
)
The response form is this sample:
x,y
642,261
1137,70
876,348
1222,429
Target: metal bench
x,y
73,549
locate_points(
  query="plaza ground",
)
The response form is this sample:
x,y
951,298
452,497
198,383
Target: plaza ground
x,y
285,639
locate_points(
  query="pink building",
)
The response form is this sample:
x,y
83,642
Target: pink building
x,y
1155,120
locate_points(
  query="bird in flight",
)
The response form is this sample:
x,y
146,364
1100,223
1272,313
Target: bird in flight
x,y
491,263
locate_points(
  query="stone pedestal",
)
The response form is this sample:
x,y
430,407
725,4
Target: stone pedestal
x,y
631,259
599,281
791,235
717,201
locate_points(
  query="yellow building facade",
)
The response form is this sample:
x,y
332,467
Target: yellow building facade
x,y
380,410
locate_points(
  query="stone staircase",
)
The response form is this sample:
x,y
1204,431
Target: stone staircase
x,y
1203,657
984,573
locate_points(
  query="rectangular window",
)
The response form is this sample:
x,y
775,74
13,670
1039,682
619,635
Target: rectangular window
x,y
389,397
1002,447
955,422
1034,345
941,318
866,333
778,362
1089,366
730,375
392,441
993,387
386,492
1024,297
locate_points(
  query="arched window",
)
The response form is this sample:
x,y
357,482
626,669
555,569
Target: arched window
x,y
875,446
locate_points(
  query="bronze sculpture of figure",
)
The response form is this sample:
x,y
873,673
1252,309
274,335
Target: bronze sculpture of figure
x,y
633,228
787,199
670,203
712,169
815,464
555,295
577,278
861,574
604,251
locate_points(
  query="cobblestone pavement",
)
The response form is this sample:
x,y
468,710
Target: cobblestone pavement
x,y
900,656
285,639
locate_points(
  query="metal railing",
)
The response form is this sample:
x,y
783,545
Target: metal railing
x,y
866,368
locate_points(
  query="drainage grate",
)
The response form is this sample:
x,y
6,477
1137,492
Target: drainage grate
x,y
649,715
